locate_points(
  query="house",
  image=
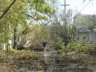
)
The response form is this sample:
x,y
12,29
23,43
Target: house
x,y
85,34
85,27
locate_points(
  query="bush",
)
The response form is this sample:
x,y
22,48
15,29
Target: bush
x,y
24,54
79,46
18,55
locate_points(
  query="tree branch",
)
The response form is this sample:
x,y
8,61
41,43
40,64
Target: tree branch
x,y
31,17
7,9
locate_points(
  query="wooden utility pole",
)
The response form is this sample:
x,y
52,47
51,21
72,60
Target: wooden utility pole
x,y
65,22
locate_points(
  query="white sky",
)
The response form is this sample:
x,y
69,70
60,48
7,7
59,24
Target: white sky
x,y
78,6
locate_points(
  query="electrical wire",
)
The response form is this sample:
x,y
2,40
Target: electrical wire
x,y
84,7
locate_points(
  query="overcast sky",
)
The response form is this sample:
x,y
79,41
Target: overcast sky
x,y
78,6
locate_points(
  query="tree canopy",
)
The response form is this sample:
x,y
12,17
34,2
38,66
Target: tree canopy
x,y
14,13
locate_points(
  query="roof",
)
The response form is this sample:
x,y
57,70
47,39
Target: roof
x,y
83,29
84,20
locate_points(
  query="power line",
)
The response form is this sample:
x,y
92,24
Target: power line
x,y
84,7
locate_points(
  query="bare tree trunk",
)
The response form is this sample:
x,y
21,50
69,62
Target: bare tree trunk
x,y
14,39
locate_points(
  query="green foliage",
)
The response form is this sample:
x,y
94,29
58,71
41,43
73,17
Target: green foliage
x,y
40,17
79,47
54,1
56,35
80,58
58,32
24,55
35,35
18,55
42,6
18,14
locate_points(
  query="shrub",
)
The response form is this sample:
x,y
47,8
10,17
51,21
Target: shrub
x,y
24,54
19,55
79,46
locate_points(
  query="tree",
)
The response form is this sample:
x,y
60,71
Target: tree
x,y
33,37
57,29
16,14
7,9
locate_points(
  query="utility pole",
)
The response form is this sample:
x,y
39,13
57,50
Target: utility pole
x,y
65,22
